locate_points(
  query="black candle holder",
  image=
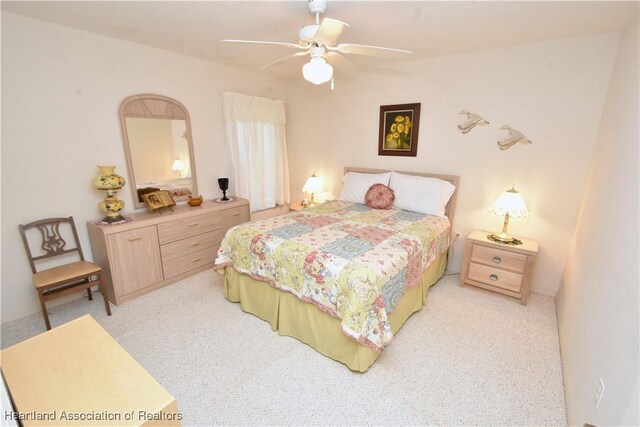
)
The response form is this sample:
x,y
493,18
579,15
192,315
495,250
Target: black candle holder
x,y
224,186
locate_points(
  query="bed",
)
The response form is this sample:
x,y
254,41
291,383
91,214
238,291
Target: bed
x,y
340,277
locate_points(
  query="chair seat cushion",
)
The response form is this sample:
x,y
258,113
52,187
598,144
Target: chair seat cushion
x,y
65,274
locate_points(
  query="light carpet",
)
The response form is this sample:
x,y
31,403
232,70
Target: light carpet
x,y
467,358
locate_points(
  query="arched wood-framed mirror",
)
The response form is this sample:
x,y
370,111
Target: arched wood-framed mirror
x,y
156,133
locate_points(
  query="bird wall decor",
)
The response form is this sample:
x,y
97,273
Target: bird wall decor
x,y
471,121
515,136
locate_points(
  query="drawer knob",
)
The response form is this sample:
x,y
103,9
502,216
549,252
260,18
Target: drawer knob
x,y
497,259
133,239
196,259
193,224
195,243
236,214
493,277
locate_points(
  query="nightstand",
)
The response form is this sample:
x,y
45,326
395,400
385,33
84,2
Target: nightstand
x,y
296,206
498,267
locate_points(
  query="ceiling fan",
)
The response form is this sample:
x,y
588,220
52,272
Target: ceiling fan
x,y
319,41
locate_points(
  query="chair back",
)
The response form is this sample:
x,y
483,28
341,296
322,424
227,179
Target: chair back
x,y
52,242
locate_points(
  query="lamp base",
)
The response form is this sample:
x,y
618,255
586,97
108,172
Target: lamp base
x,y
111,206
110,219
504,238
498,239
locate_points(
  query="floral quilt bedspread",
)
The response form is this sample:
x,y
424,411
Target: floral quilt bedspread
x,y
351,261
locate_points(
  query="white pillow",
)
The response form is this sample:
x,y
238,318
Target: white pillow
x,y
421,194
356,185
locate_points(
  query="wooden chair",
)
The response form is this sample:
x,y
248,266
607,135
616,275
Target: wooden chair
x,y
66,278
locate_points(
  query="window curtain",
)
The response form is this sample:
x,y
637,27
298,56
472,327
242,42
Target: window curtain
x,y
255,133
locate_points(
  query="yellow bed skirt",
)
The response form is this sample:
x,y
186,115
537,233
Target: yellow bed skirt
x,y
295,318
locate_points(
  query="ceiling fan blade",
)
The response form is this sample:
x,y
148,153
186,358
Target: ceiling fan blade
x,y
291,45
285,58
363,49
329,31
342,64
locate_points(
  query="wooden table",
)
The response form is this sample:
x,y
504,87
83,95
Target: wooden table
x,y
77,374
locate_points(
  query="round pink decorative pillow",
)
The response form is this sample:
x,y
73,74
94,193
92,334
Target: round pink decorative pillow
x,y
379,196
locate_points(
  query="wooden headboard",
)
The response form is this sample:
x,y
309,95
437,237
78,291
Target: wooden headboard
x,y
449,210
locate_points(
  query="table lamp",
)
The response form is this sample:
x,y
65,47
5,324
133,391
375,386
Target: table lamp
x,y
178,166
110,182
510,204
313,185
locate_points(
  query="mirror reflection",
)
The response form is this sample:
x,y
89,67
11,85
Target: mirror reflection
x,y
160,155
156,132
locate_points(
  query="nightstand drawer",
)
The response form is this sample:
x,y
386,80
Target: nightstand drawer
x,y
499,258
495,277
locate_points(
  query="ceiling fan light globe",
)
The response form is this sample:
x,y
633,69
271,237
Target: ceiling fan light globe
x,y
317,71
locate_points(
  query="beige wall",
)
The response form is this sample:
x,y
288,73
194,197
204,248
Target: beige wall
x,y
598,300
61,89
552,91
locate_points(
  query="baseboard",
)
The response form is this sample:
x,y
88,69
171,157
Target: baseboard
x,y
36,308
563,362
267,213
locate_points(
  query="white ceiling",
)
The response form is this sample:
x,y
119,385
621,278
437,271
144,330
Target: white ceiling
x,y
428,28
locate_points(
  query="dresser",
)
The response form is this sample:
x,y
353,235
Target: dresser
x,y
159,248
498,267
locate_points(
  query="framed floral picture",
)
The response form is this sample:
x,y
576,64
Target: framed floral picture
x,y
399,130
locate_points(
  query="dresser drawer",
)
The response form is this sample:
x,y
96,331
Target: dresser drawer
x,y
237,216
180,229
190,245
495,277
500,259
189,262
